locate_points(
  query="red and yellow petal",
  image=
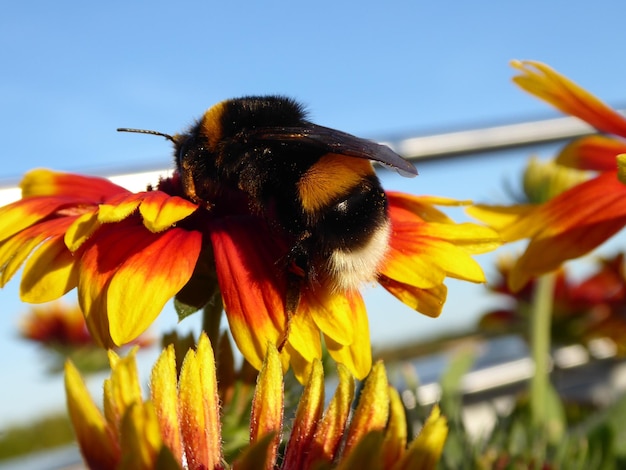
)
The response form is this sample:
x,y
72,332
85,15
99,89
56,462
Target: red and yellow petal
x,y
15,250
127,274
413,268
427,301
584,205
419,255
562,93
595,152
25,213
544,255
407,207
356,356
327,309
95,438
426,262
161,211
252,292
49,273
81,229
43,182
119,207
501,218
50,270
567,226
304,344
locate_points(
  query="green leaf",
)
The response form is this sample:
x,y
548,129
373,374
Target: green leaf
x,y
184,310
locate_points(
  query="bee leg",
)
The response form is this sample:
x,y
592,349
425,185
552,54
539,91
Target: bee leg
x,y
292,300
296,276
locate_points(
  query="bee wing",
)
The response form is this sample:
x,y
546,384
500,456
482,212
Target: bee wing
x,y
342,143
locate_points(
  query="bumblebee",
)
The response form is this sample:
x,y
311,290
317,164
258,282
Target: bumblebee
x,y
314,185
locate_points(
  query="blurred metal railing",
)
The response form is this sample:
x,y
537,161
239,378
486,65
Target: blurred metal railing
x,y
490,138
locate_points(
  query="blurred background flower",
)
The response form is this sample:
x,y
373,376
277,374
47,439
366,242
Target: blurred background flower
x,y
61,332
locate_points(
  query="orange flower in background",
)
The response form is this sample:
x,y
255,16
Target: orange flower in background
x,y
128,254
180,425
56,324
581,218
61,332
61,325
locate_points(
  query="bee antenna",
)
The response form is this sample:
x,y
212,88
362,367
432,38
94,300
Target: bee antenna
x,y
144,131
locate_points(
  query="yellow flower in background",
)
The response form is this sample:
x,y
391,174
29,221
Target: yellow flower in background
x,y
180,425
129,253
582,217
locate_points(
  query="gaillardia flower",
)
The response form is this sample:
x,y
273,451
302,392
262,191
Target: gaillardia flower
x,y
119,248
584,216
128,254
180,425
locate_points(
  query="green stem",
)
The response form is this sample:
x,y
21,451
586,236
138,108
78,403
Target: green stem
x,y
540,326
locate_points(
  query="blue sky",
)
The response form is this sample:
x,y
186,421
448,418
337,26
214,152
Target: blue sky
x,y
72,72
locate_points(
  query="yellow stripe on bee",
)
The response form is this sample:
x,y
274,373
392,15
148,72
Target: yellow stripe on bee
x,y
212,124
330,177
